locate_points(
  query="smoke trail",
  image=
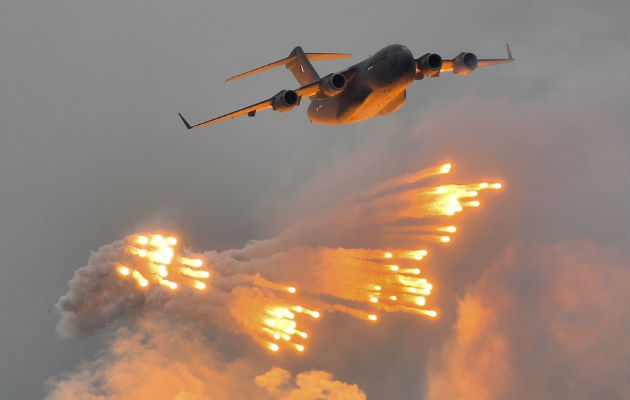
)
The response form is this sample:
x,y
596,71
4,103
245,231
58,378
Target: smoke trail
x,y
268,288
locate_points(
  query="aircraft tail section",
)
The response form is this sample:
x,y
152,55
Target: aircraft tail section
x,y
299,63
301,67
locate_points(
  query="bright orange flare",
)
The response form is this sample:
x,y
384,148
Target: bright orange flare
x,y
194,273
265,316
408,217
124,271
140,279
262,282
431,313
162,271
155,258
195,263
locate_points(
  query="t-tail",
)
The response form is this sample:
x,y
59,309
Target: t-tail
x,y
299,63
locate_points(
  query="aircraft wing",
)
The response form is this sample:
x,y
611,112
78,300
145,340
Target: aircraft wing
x,y
447,65
251,110
308,90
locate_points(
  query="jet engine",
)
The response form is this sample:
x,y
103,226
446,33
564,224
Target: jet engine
x,y
285,100
464,63
333,84
429,64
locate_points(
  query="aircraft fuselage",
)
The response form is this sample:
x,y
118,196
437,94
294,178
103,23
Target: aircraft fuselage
x,y
378,88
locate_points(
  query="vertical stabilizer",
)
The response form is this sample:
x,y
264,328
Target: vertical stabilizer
x,y
301,67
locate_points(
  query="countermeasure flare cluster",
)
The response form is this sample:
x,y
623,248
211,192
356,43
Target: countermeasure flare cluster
x,y
401,214
155,260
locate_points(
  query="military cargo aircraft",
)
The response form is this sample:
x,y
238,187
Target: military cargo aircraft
x,y
372,87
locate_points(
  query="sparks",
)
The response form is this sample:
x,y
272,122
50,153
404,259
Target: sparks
x,y
155,257
366,282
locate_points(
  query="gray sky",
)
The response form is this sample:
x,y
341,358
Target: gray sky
x,y
91,150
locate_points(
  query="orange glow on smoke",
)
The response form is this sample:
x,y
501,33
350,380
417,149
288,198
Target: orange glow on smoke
x,y
367,281
270,318
369,277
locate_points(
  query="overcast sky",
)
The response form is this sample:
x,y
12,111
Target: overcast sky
x,y
91,150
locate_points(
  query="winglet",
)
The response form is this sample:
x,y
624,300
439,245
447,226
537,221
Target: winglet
x,y
509,52
185,122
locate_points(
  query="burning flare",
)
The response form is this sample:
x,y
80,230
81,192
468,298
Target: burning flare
x,y
155,261
270,289
270,318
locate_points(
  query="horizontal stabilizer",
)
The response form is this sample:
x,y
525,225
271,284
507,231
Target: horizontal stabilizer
x,y
263,68
284,61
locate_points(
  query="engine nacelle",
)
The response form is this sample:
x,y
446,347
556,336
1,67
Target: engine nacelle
x,y
464,63
429,64
333,84
285,100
